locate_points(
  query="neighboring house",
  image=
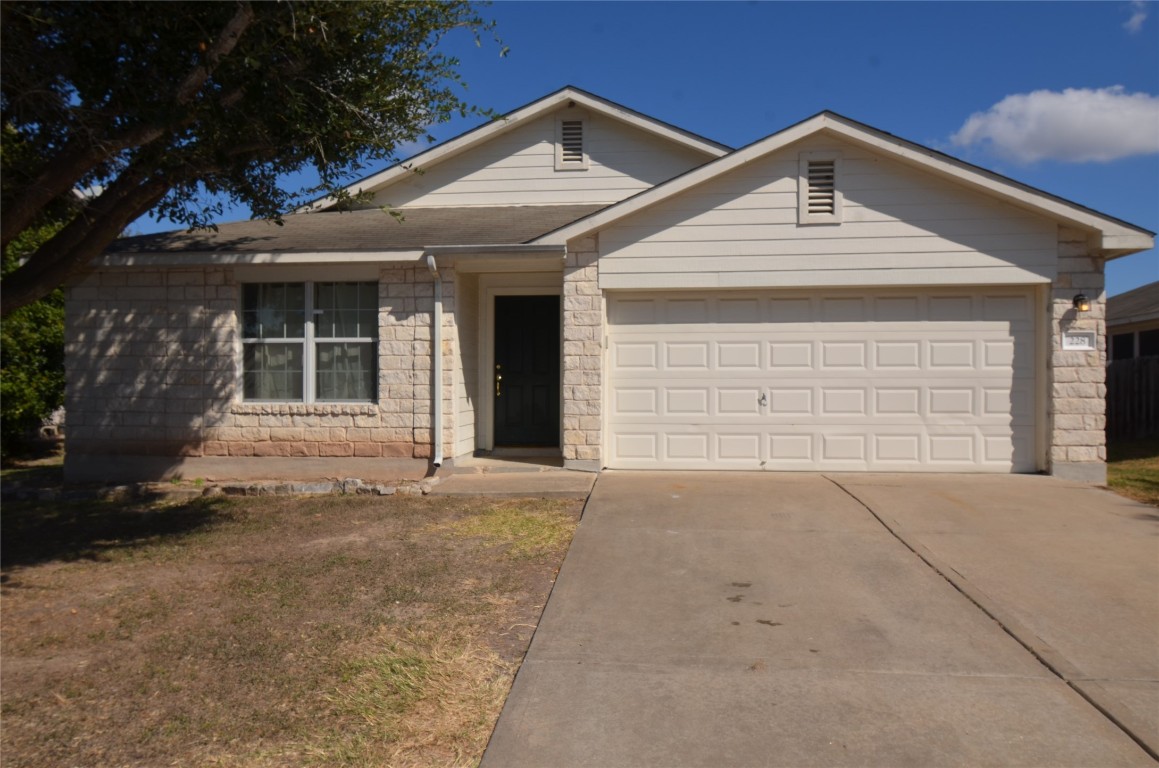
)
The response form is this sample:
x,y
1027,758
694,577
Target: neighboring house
x,y
1133,364
1133,323
582,278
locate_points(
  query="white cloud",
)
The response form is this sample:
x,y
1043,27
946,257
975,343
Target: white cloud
x,y
1138,16
1077,125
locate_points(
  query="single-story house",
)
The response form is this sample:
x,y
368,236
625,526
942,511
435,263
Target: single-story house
x,y
1133,323
582,278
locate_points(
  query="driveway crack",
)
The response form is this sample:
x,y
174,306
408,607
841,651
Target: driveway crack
x,y
1072,682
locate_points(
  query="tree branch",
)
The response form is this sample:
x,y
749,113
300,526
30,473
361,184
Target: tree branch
x,y
65,170
222,46
61,175
85,237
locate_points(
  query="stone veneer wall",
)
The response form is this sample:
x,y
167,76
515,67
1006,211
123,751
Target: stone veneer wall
x,y
152,359
1078,390
583,334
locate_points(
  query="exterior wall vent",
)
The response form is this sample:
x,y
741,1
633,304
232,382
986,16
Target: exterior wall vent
x,y
818,188
570,152
822,187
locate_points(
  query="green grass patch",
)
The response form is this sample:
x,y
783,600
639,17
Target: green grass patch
x,y
527,528
1133,470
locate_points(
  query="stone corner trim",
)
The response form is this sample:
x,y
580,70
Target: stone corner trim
x,y
1077,391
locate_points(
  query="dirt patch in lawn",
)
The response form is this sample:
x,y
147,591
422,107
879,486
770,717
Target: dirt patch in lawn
x,y
269,631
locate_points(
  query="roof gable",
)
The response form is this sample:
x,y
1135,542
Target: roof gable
x,y
567,96
1116,237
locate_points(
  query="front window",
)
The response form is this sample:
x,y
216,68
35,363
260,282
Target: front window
x,y
309,342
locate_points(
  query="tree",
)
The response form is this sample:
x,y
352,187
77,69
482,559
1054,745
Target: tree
x,y
166,107
31,359
32,336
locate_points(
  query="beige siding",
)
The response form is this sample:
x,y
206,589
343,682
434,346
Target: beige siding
x,y
518,168
900,226
466,363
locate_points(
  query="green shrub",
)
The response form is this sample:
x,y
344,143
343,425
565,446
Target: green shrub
x,y
31,355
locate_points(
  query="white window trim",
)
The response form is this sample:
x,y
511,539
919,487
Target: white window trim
x,y
804,217
585,127
309,351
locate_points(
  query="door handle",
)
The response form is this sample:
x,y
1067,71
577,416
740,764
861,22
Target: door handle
x,y
763,400
498,381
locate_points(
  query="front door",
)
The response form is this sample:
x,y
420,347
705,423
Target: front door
x,y
526,375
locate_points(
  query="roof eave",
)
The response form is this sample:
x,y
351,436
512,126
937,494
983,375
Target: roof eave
x,y
235,258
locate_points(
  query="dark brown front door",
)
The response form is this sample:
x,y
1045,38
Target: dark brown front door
x,y
526,375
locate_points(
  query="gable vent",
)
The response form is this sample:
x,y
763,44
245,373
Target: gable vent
x,y
822,179
571,141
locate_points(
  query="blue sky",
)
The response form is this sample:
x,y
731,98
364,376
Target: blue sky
x,y
1059,88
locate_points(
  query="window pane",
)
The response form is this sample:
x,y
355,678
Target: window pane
x,y
348,310
345,371
272,372
274,311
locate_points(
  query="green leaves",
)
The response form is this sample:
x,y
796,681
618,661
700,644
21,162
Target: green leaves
x,y
223,96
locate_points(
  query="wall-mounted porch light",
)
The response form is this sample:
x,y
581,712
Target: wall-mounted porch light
x,y
1082,303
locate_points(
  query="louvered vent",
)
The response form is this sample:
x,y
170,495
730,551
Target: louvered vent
x,y
822,188
571,141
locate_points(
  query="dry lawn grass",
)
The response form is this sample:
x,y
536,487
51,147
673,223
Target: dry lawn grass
x,y
268,631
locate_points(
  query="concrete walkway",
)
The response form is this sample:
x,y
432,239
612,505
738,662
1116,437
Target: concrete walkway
x,y
775,619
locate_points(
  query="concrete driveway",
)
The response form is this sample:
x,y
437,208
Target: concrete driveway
x,y
705,619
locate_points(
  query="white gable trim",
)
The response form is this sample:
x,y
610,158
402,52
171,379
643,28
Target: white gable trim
x,y
508,122
1115,237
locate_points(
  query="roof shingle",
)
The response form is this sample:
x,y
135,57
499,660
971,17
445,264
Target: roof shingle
x,y
366,230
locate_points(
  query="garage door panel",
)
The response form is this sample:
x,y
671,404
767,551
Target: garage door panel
x,y
686,355
738,356
900,449
741,446
635,355
686,448
686,401
790,355
790,401
891,381
795,448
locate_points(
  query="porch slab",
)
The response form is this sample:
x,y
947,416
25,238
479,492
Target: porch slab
x,y
534,480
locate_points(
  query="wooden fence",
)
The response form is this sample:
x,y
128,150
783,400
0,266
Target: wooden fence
x,y
1133,399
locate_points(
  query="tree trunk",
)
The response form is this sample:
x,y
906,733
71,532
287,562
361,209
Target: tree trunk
x,y
83,239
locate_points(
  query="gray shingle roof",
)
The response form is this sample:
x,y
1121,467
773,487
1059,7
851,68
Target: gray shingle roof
x,y
1134,306
367,230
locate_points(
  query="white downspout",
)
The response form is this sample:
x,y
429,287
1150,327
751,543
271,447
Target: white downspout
x,y
437,376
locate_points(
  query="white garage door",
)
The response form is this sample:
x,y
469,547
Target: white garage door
x,y
882,380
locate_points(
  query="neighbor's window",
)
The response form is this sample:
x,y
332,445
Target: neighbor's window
x,y
1148,343
1122,346
309,342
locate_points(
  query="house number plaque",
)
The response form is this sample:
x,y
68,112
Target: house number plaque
x,y
1078,340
